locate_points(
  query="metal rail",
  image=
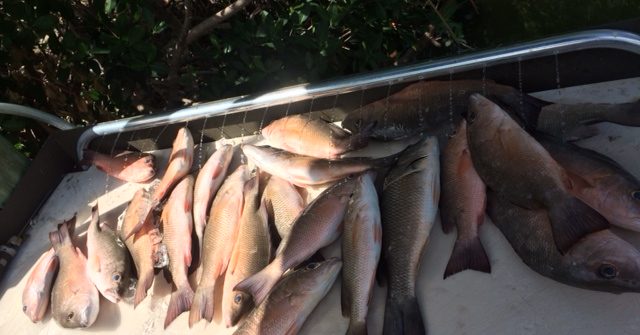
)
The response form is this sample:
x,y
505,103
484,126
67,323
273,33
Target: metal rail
x,y
591,39
32,113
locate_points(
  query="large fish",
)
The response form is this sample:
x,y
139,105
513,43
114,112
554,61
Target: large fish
x,y
144,247
135,167
220,236
430,105
317,226
599,181
571,121
107,259
37,291
361,245
409,206
75,301
292,300
283,203
312,137
177,226
251,253
517,167
179,165
462,205
599,261
305,170
209,180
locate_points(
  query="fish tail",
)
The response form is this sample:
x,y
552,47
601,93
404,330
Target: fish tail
x,y
180,301
202,306
144,283
59,237
403,317
357,328
260,284
571,219
467,254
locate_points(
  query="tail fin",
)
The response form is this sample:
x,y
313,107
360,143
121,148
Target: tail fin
x,y
571,219
467,254
202,306
59,237
180,302
403,318
144,283
357,328
260,284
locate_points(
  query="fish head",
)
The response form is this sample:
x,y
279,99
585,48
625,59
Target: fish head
x,y
34,304
241,304
361,120
78,311
317,277
602,261
622,198
483,113
424,155
140,169
112,284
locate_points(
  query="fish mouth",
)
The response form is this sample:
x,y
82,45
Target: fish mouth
x,y
111,295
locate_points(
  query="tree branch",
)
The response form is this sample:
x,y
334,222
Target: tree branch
x,y
207,25
176,58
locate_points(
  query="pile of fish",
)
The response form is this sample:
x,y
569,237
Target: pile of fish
x,y
506,154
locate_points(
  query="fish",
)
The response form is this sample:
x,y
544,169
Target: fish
x,y
571,122
599,181
600,261
251,253
180,162
209,179
361,247
107,259
37,291
220,236
143,247
406,226
462,205
306,171
177,226
303,135
283,203
75,301
286,309
134,167
137,214
319,225
514,165
426,106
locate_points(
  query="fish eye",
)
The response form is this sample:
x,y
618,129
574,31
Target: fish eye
x,y
635,195
472,117
237,299
312,266
70,316
358,123
24,308
608,271
116,277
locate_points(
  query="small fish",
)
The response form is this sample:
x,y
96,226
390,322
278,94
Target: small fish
x,y
517,167
462,205
292,300
220,236
137,214
304,170
179,165
571,122
429,105
177,226
283,203
134,167
599,181
302,135
600,261
107,260
361,245
75,301
409,205
209,180
317,226
37,291
251,253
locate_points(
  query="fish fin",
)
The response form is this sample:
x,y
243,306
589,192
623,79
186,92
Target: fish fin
x,y
467,254
403,317
446,223
59,237
202,306
577,182
260,284
581,132
180,301
571,219
80,254
144,283
357,328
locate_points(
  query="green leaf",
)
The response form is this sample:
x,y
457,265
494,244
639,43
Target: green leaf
x,y
109,6
159,27
44,23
